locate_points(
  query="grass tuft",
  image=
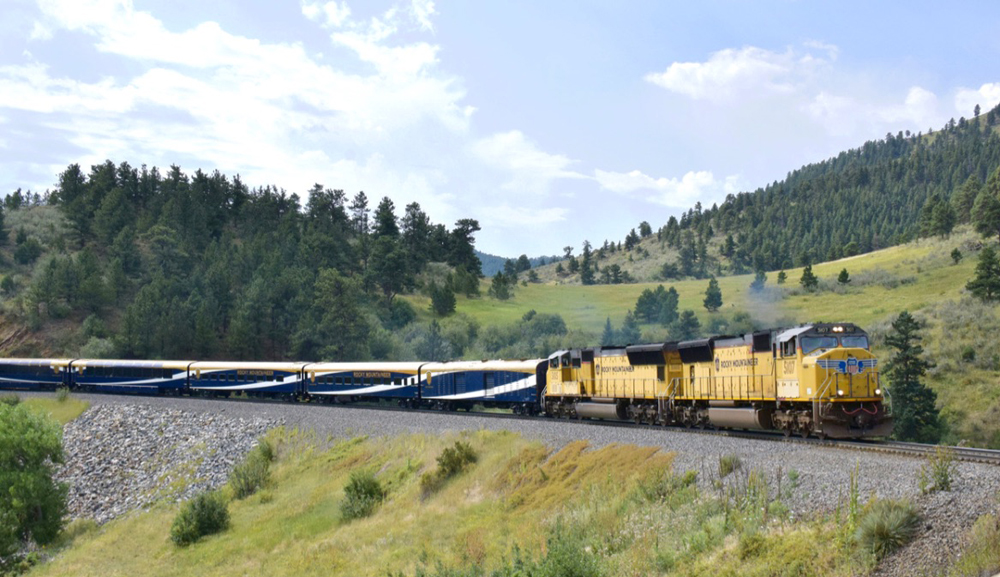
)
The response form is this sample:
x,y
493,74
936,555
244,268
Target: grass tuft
x,y
886,527
728,464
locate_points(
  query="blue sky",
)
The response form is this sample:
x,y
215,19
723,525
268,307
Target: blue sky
x,y
549,122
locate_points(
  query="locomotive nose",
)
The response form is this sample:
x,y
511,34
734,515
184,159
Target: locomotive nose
x,y
848,373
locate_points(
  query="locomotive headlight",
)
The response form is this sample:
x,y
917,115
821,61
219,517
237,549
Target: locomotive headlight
x,y
840,393
878,391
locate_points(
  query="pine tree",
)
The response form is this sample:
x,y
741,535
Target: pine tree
x,y
758,281
668,307
686,327
782,277
914,414
587,265
956,255
985,285
442,299
986,210
713,296
499,288
808,280
630,333
843,278
608,336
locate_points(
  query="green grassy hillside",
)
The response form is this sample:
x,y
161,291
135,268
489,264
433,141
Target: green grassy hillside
x,y
961,335
618,510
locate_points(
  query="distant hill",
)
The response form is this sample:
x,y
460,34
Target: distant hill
x,y
493,263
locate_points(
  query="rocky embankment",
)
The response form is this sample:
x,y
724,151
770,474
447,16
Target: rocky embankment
x,y
123,457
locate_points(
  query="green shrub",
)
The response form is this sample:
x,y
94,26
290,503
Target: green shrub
x,y
254,472
452,461
362,495
206,514
887,526
728,464
936,474
62,394
10,399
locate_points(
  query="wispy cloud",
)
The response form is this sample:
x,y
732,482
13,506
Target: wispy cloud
x,y
680,192
529,168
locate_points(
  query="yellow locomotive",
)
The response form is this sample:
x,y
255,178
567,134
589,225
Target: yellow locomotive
x,y
819,379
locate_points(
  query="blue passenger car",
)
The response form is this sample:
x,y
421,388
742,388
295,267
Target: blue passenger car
x,y
347,382
463,384
254,379
130,377
34,374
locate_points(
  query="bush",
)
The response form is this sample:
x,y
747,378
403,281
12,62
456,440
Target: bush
x,y
62,394
455,459
206,514
10,399
362,495
729,464
887,526
452,461
254,472
32,503
936,474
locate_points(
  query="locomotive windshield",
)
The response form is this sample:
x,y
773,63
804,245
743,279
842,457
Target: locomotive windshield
x,y
810,344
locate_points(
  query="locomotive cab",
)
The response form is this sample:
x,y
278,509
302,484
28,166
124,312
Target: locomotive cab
x,y
831,366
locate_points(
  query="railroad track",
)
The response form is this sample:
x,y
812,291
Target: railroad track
x,y
964,454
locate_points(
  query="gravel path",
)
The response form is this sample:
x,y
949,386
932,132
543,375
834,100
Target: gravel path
x,y
823,474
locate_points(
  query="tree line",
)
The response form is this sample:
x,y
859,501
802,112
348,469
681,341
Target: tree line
x,y
204,266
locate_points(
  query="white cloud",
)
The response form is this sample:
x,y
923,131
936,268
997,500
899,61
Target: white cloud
x,y
531,169
987,97
672,192
730,74
330,14
423,10
844,115
40,31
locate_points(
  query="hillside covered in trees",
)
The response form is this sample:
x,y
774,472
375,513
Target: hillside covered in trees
x,y
882,194
171,265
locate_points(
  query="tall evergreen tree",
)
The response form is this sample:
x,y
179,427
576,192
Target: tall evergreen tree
x,y
759,279
985,285
686,327
713,296
587,265
844,277
630,333
608,336
808,280
914,414
986,210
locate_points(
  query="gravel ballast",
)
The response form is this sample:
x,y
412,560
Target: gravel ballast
x,y
126,452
